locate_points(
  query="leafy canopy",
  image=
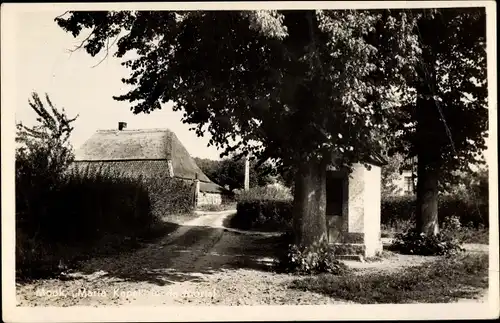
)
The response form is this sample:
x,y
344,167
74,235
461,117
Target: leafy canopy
x,y
286,85
230,172
45,146
452,86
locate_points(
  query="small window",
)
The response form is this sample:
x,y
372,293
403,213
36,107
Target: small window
x,y
408,185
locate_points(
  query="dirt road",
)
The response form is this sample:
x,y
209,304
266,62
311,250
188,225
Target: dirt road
x,y
199,263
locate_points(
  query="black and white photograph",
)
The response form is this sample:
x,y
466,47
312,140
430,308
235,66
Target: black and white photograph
x,y
249,161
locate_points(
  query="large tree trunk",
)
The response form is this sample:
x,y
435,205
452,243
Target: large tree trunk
x,y
429,139
427,198
430,131
428,166
309,219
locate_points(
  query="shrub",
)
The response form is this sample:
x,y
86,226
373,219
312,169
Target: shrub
x,y
267,208
471,212
398,210
81,210
452,228
315,259
265,193
75,212
389,230
263,215
169,195
63,213
413,242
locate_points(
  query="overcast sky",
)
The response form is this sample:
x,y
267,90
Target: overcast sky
x,y
44,65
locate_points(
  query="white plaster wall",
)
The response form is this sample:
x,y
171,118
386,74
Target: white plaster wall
x,y
209,198
356,199
372,180
400,181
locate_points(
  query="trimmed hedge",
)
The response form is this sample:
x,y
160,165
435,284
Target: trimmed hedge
x,y
397,209
77,214
263,215
396,212
265,193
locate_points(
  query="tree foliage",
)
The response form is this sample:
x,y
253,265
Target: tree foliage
x,y
308,88
42,156
452,92
303,88
389,174
46,144
445,126
230,172
289,85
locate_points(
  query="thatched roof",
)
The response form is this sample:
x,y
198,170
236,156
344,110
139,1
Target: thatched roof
x,y
141,152
132,168
211,188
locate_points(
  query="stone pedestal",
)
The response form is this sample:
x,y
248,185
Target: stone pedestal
x,y
353,210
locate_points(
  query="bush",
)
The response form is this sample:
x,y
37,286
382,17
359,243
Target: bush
x,y
389,230
315,259
78,212
413,242
263,215
63,214
267,208
452,228
265,193
398,210
169,195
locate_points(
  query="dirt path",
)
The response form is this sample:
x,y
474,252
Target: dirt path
x,y
199,263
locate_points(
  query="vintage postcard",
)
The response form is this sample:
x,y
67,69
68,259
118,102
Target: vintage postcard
x,y
222,161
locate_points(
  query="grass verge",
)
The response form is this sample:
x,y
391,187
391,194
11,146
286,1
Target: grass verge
x,y
442,281
464,235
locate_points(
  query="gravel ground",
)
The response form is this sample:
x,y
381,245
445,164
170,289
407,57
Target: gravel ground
x,y
199,263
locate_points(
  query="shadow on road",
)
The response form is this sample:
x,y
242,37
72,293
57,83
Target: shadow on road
x,y
200,251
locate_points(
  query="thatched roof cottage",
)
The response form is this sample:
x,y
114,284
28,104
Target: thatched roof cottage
x,y
147,153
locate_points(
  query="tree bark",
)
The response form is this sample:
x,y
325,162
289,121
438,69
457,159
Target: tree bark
x,y
428,140
309,219
427,198
428,165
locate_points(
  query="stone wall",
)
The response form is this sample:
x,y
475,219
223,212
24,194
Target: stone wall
x,y
399,182
359,225
372,183
356,199
204,198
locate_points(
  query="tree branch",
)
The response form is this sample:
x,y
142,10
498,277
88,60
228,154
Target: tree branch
x,y
83,42
61,15
105,55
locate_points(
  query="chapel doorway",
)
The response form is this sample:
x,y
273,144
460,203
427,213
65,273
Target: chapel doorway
x,y
334,205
